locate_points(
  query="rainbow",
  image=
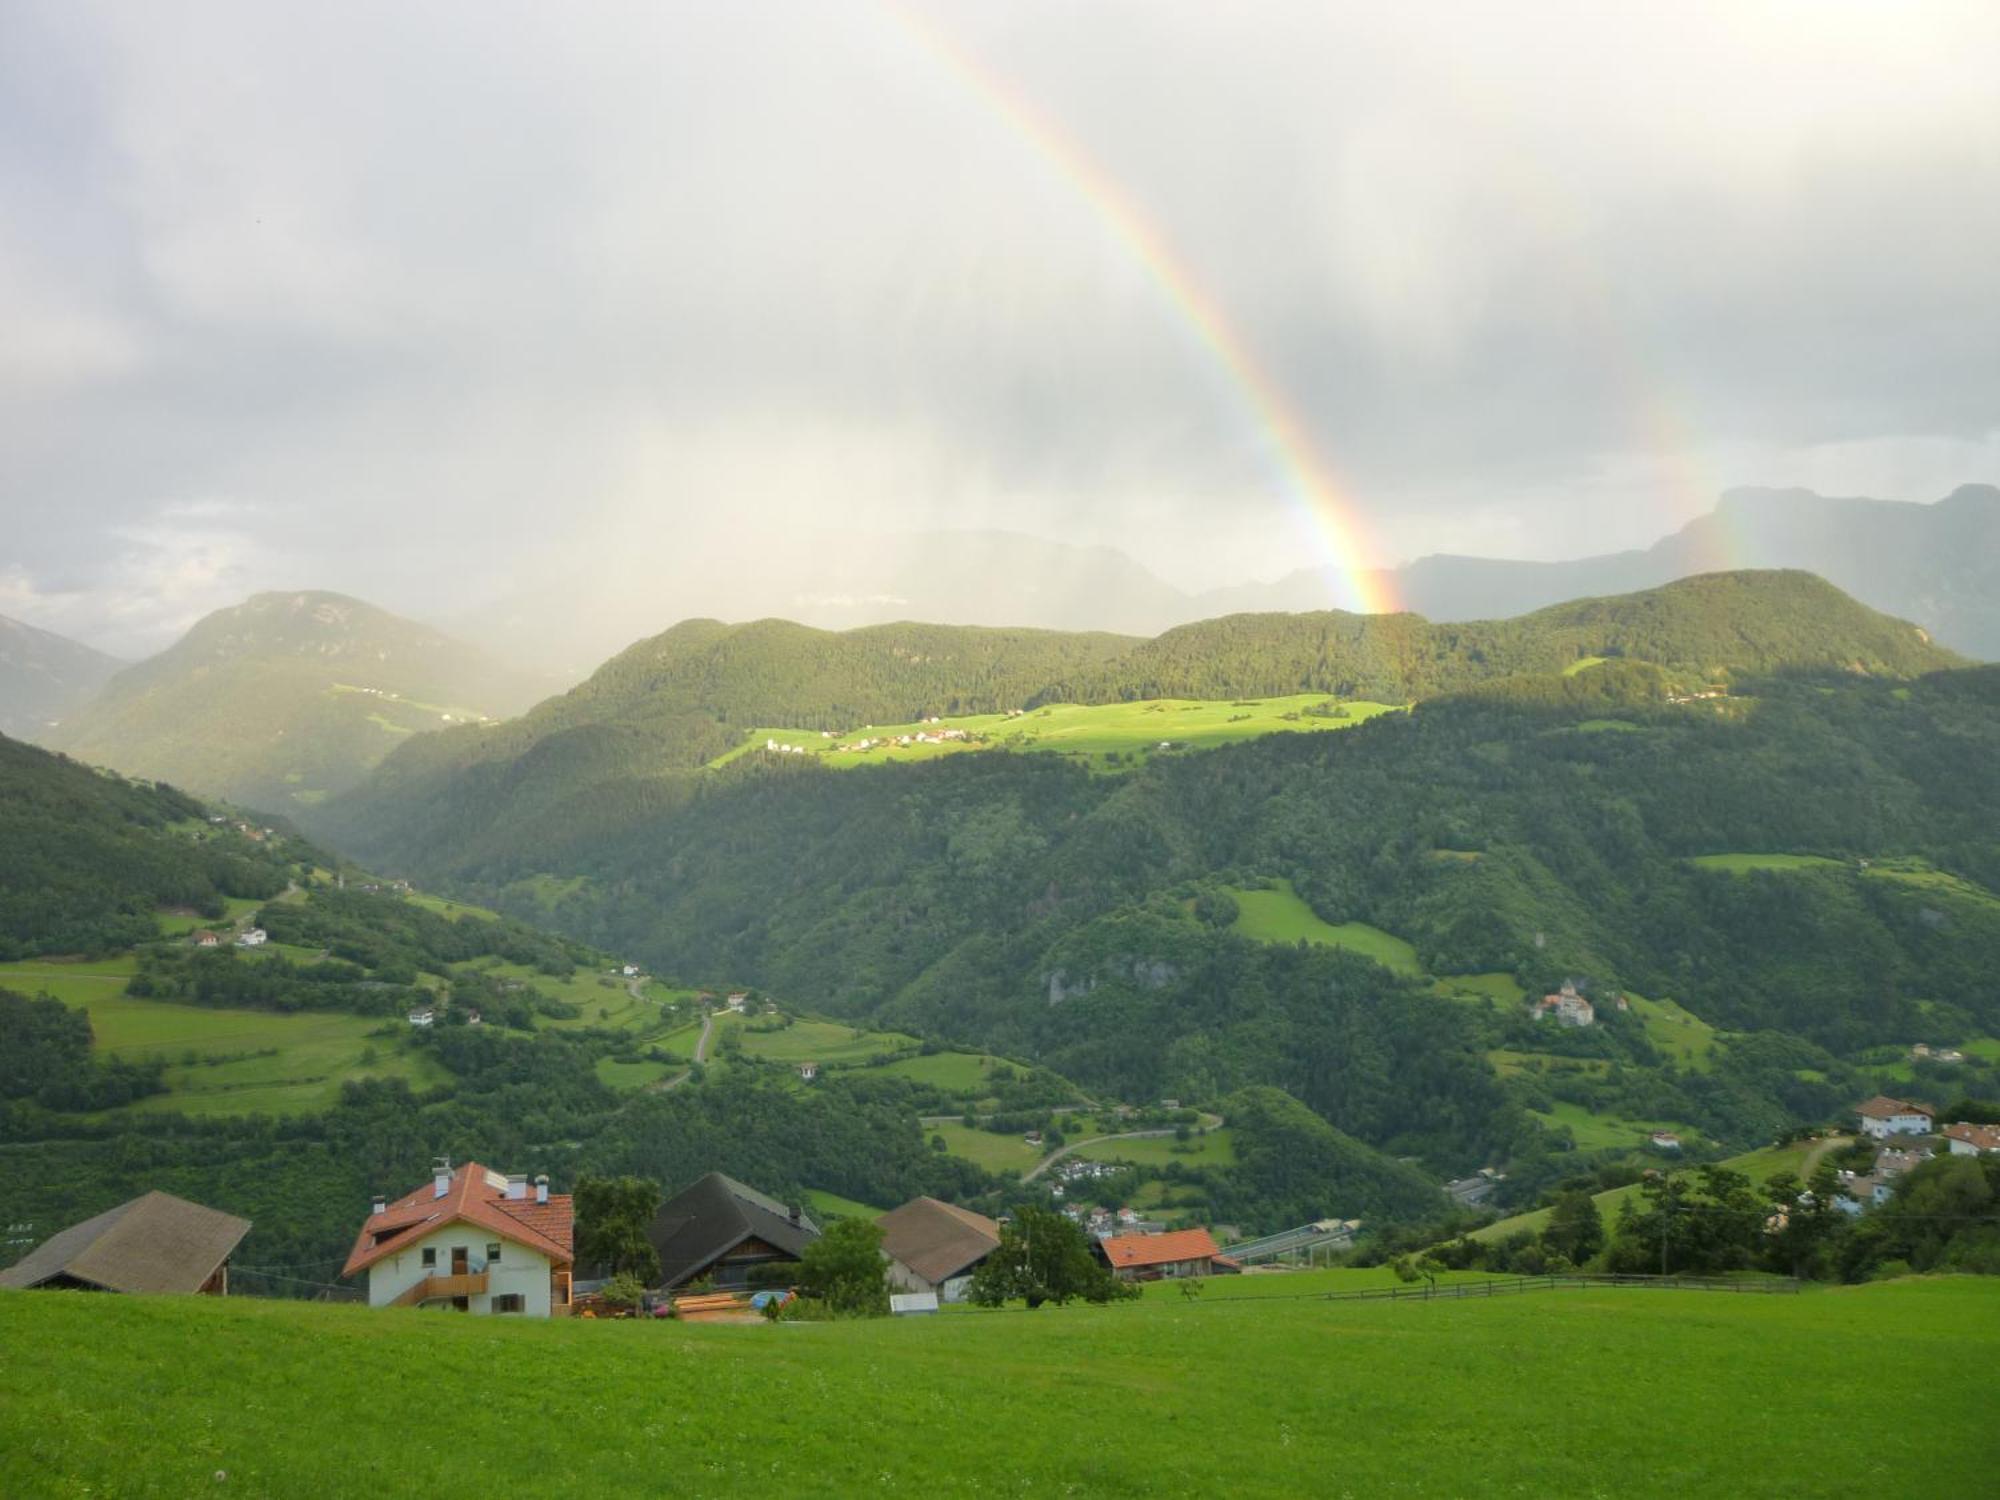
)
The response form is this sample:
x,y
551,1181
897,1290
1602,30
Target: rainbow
x,y
1321,501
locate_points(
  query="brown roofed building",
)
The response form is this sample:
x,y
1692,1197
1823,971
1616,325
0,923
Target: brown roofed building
x,y
155,1243
1150,1257
1972,1140
1883,1117
933,1246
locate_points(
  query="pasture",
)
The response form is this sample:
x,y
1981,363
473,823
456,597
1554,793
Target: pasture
x,y
1602,1132
1278,914
228,1062
969,1075
823,1042
1593,1392
1744,864
1006,1154
1216,1148
1105,736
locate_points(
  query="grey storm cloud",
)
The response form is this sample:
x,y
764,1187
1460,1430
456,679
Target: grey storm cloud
x,y
429,303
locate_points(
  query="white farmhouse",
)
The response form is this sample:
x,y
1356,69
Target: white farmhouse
x,y
1883,1117
1973,1140
469,1239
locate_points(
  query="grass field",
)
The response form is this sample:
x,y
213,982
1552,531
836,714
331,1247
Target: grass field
x,y
1743,864
448,908
966,1074
1758,1165
1215,1149
1924,876
1599,1132
1007,1154
1280,915
1093,733
1510,1064
631,1075
315,1051
1670,1394
825,1205
1477,989
1676,1031
810,1041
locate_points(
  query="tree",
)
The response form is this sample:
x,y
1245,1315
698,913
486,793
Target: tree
x,y
612,1217
844,1269
1575,1230
624,1290
1043,1257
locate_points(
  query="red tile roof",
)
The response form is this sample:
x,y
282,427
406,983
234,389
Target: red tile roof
x,y
1882,1107
1126,1251
475,1196
1979,1137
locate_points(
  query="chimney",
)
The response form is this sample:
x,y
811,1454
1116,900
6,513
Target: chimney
x,y
380,1206
795,1213
517,1186
441,1176
542,1188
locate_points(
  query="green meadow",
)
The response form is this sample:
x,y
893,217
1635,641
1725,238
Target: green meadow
x,y
1103,735
1008,1154
823,1042
243,1061
966,1074
1602,1392
1279,914
1743,864
1602,1132
1215,1148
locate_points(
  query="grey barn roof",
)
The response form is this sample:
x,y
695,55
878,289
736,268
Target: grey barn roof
x,y
155,1243
705,1221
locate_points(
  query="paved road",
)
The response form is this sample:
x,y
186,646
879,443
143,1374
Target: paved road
x,y
700,1055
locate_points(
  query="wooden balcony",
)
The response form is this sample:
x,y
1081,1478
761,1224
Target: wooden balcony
x,y
433,1287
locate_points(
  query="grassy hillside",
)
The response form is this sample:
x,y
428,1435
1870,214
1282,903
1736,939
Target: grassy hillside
x,y
286,698
88,860
1666,1394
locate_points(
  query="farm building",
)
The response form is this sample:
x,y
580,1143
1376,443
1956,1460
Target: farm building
x,y
1883,1117
156,1243
255,937
932,1246
1567,1006
203,938
470,1239
717,1227
1153,1257
1973,1140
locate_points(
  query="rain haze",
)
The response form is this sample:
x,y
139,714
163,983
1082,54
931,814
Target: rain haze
x,y
508,314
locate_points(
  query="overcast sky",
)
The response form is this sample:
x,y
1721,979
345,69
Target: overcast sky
x,y
433,302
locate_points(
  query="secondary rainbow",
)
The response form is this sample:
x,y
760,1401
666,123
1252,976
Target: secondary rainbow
x,y
1311,487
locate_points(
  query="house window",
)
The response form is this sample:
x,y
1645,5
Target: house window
x,y
508,1302
492,1255
430,1256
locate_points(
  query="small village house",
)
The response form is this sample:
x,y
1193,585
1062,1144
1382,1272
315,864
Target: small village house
x,y
1972,1140
201,937
255,937
471,1239
1883,1117
424,1017
1566,1006
719,1228
933,1246
808,1071
1156,1257
1665,1140
156,1243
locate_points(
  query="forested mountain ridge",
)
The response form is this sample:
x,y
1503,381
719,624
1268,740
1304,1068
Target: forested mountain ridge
x,y
286,698
1534,830
43,676
624,742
